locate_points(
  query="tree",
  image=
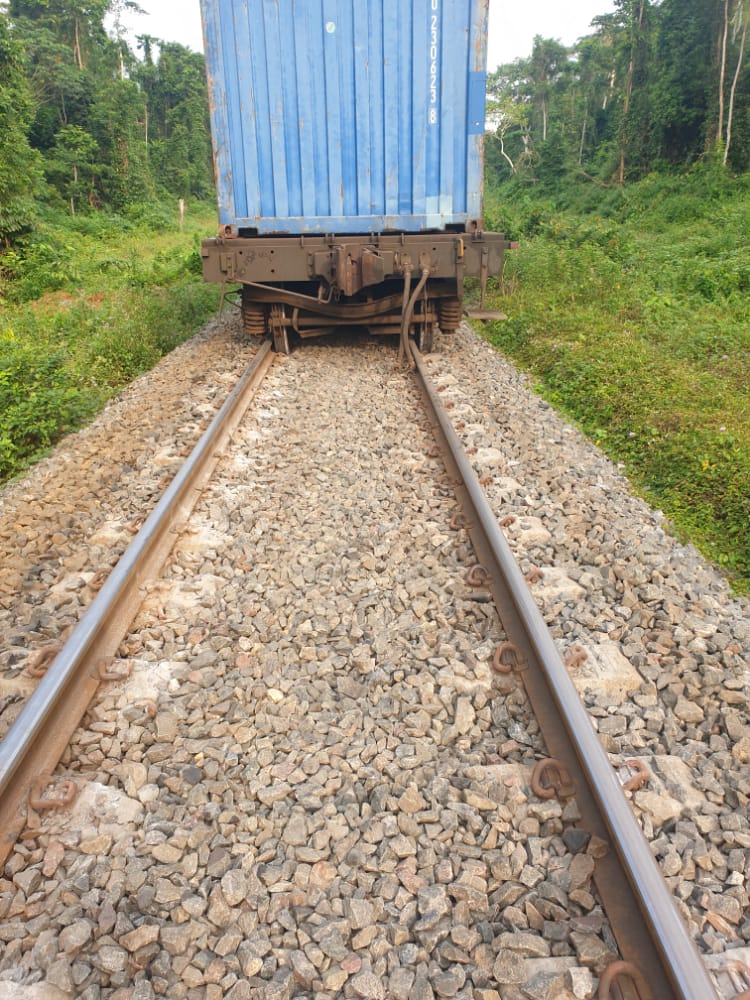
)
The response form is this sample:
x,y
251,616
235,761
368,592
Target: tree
x,y
72,165
79,23
115,122
19,164
684,91
739,29
508,104
549,60
176,112
634,11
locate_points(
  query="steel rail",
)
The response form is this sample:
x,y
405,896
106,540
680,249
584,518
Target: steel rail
x,y
648,928
37,740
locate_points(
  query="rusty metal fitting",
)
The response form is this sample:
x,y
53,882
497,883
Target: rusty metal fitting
x,y
38,803
42,660
472,451
551,779
449,405
508,520
641,776
576,657
105,672
459,521
613,972
99,578
508,659
477,576
134,526
534,575
433,452
486,480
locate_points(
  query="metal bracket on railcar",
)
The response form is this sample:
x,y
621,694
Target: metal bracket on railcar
x,y
333,281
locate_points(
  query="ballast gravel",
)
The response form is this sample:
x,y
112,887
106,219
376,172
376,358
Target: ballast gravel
x,y
666,678
68,521
312,785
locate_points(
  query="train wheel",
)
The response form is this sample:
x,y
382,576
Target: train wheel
x,y
279,329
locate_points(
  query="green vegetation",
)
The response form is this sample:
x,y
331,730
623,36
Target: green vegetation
x,y
98,144
656,87
635,318
85,124
91,303
622,164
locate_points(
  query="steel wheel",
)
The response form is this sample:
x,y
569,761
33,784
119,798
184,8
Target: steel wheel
x,y
279,329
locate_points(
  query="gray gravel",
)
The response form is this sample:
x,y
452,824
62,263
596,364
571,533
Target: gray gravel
x,y
71,517
312,785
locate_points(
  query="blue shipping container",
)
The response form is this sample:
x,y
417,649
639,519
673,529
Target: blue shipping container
x,y
347,116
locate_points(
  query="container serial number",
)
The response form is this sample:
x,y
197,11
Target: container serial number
x,y
434,62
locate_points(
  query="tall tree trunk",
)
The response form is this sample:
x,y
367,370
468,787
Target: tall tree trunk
x,y
723,73
738,68
629,92
583,137
612,82
77,46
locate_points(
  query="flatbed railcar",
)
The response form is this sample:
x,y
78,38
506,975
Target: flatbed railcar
x,y
348,145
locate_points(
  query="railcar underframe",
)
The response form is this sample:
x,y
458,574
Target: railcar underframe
x,y
400,283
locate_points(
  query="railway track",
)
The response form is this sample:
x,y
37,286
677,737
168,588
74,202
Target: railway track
x,y
585,816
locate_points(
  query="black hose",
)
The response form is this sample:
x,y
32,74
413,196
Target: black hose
x,y
409,310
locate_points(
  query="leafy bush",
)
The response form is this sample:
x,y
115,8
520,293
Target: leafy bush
x,y
636,321
40,267
127,302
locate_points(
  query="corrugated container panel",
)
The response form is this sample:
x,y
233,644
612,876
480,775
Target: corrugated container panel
x,y
347,116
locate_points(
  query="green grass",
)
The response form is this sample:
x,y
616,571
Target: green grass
x,y
636,324
86,306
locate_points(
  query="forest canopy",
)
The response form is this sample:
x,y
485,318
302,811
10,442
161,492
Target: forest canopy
x,y
655,87
89,123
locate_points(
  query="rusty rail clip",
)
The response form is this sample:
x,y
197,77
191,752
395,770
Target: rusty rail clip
x,y
508,520
106,674
551,778
42,660
99,578
477,576
38,803
459,521
613,972
534,575
508,659
641,776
